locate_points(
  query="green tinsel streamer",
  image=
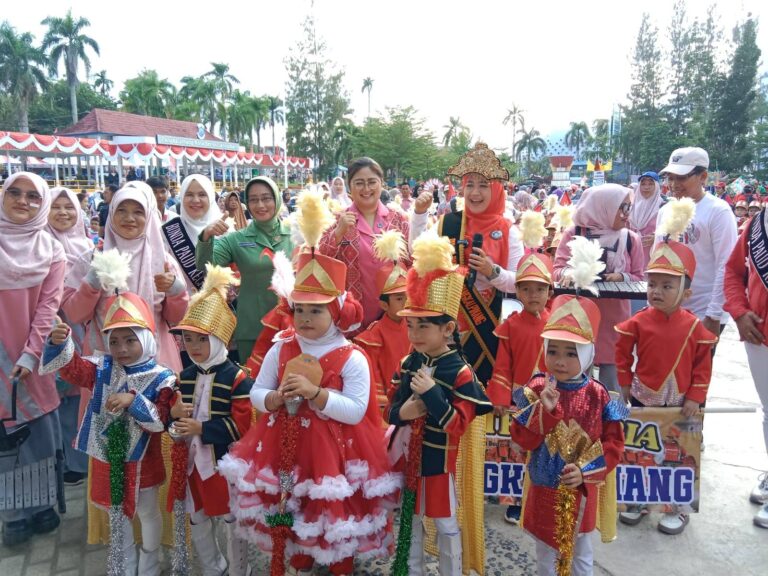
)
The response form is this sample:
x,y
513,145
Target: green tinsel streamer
x,y
117,448
400,565
278,519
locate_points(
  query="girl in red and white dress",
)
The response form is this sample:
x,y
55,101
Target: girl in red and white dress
x,y
316,486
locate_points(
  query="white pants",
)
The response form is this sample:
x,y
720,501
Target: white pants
x,y
148,511
758,365
546,557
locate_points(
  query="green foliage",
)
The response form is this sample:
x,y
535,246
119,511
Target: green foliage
x,y
22,74
148,94
50,111
316,100
577,137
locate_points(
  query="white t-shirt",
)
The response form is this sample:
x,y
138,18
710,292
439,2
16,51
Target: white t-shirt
x,y
711,236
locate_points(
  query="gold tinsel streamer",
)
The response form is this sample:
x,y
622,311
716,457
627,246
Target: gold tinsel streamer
x,y
565,525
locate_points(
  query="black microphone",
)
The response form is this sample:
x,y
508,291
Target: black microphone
x,y
477,242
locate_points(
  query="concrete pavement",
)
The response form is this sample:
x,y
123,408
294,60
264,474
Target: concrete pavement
x,y
721,539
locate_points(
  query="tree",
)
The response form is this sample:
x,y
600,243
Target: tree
x,y
735,111
368,85
241,117
222,82
400,143
577,136
275,107
316,101
514,115
260,107
148,94
50,111
22,74
599,144
531,143
200,93
102,83
453,129
65,41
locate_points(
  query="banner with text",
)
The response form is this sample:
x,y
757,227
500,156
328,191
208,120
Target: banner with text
x,y
659,467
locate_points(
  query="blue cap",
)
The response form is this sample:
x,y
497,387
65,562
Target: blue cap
x,y
649,174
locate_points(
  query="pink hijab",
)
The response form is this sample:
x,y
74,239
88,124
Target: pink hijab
x,y
75,242
27,251
147,251
597,211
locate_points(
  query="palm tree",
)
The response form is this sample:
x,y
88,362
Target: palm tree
x,y
202,93
65,41
368,85
531,143
453,128
148,94
222,83
261,117
241,116
22,73
276,116
102,83
514,115
577,136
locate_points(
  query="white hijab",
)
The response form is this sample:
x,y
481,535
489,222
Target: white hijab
x,y
217,355
586,354
192,226
148,344
644,210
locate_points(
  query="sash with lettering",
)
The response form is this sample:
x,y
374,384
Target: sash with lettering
x,y
479,344
184,250
758,247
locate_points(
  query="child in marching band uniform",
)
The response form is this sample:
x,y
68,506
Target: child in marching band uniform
x,y
674,350
575,434
212,409
130,389
521,352
436,400
311,478
386,339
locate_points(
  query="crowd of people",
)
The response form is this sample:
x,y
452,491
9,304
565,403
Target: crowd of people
x,y
306,369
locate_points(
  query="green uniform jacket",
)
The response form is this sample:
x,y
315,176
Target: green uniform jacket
x,y
252,254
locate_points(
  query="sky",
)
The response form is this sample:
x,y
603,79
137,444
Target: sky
x,y
560,61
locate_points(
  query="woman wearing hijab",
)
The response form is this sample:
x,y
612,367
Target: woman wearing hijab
x,y
645,207
492,261
252,250
602,214
33,267
65,223
197,210
339,192
235,209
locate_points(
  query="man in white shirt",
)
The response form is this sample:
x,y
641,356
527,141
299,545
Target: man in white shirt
x,y
711,235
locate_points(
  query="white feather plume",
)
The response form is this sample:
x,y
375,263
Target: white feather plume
x,y
676,217
585,263
283,278
112,269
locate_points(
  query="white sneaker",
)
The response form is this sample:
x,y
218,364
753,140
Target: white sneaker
x,y
761,518
633,515
673,523
759,493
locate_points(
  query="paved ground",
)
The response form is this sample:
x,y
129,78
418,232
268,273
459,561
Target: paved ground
x,y
721,539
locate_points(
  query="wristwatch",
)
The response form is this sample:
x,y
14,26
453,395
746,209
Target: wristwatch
x,y
495,272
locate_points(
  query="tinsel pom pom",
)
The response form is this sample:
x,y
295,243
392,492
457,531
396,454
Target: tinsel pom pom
x,y
400,565
178,487
565,528
116,553
117,448
180,558
279,535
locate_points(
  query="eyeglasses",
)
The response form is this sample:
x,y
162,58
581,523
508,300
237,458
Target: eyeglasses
x,y
372,183
680,178
625,207
261,200
32,196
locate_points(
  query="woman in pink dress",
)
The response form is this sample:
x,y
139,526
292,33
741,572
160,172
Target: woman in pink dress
x,y
66,224
602,214
351,240
33,266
